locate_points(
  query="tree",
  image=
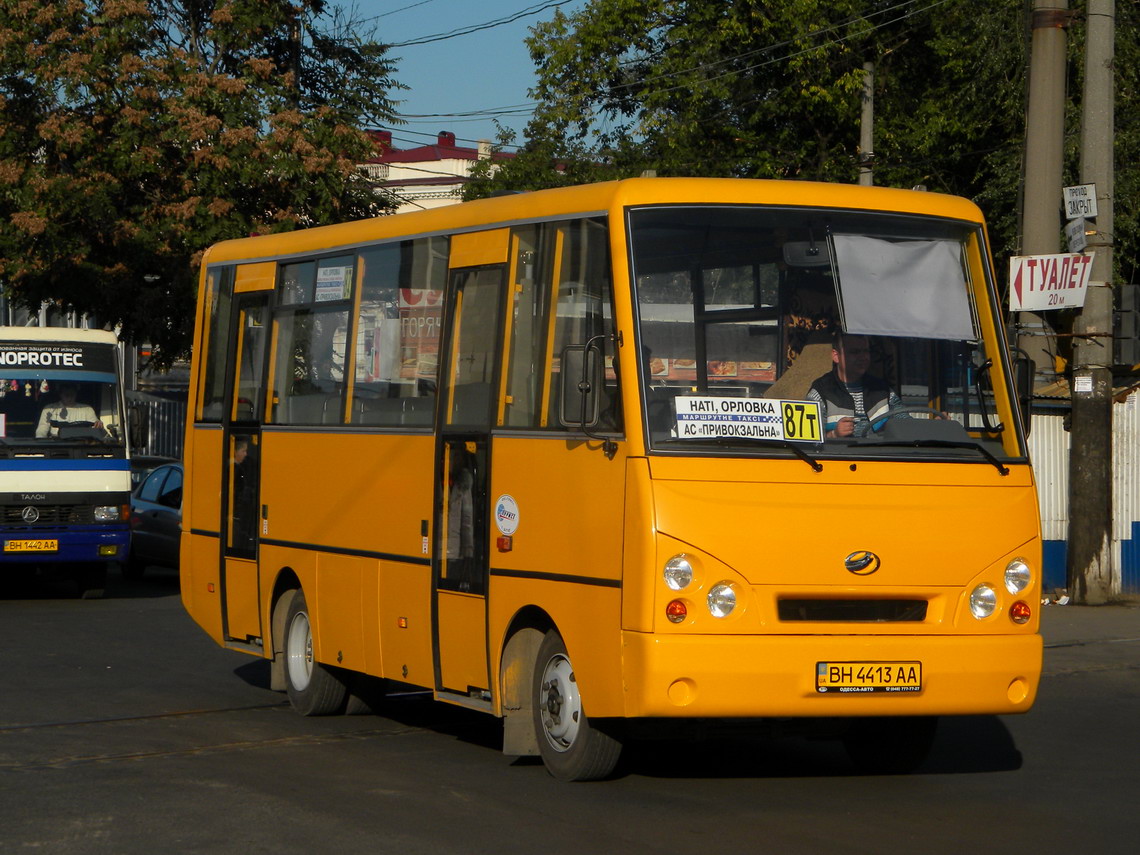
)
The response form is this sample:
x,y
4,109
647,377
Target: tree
x,y
698,87
134,134
772,89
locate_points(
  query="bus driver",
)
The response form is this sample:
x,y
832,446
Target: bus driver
x,y
67,410
854,403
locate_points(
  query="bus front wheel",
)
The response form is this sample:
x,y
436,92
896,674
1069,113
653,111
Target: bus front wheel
x,y
572,748
312,688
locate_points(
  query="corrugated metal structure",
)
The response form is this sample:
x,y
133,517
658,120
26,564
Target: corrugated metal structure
x,y
1126,494
161,425
1049,450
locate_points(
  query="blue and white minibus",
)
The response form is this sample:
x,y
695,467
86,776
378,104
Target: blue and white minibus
x,y
64,468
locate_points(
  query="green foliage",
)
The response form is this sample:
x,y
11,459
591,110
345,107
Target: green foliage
x,y
135,134
773,89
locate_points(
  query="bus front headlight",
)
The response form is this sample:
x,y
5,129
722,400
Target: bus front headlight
x,y
983,601
678,572
1017,576
721,600
108,513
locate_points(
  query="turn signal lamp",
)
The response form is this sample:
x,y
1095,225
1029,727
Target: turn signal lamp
x,y
1020,612
676,611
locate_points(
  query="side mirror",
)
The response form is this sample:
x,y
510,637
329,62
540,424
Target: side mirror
x,y
1024,371
581,386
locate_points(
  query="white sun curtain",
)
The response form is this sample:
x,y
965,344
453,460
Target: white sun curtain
x,y
912,288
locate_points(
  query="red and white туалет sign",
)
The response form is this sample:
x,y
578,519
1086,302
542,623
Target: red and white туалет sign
x,y
1041,282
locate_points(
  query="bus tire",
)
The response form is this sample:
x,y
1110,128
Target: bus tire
x,y
894,745
312,688
572,748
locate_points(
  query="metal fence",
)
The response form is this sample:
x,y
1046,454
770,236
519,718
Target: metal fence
x,y
161,425
1049,449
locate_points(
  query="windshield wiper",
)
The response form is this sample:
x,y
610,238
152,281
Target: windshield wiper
x,y
798,451
739,442
949,443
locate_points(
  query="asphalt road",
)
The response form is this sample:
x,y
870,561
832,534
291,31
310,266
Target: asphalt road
x,y
124,729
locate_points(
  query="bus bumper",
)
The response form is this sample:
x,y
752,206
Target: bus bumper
x,y
775,676
73,545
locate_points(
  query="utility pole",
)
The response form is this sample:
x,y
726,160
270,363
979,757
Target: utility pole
x,y
867,127
1044,139
295,54
1090,566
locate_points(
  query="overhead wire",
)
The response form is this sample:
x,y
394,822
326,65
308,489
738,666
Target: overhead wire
x,y
476,28
394,11
529,107
931,5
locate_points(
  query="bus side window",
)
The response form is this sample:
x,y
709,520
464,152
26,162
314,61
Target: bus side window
x,y
530,269
310,371
561,296
212,383
311,330
583,313
398,332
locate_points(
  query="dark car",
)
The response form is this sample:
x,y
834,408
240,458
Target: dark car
x,y
156,520
143,464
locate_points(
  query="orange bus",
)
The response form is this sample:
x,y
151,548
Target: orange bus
x,y
594,457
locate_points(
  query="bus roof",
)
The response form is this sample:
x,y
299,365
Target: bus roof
x,y
58,334
588,199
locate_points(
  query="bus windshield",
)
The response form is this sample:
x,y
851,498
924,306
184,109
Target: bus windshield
x,y
58,395
847,333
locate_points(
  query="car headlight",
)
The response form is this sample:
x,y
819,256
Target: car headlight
x,y
721,600
108,513
678,572
983,601
1017,576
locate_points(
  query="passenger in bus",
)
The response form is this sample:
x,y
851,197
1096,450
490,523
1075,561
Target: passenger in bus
x,y
67,410
461,518
244,509
854,403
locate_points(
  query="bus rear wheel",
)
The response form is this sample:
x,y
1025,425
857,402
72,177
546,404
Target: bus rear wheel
x,y
572,748
312,688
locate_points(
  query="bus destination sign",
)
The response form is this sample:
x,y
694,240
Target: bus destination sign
x,y
700,417
37,356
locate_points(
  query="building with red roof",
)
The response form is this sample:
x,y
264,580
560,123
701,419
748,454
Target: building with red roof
x,y
427,176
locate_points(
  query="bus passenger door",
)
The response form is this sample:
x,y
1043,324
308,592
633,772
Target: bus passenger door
x,y
461,552
241,476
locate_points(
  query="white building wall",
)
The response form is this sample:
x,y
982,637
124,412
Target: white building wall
x,y
419,198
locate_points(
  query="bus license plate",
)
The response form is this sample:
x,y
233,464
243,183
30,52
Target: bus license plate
x,y
31,546
857,677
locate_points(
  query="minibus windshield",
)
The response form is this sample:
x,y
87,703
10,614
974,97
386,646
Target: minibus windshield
x,y
55,393
848,333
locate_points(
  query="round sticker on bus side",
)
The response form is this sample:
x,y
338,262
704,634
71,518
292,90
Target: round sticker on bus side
x,y
506,515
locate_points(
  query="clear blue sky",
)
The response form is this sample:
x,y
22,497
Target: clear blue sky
x,y
480,71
